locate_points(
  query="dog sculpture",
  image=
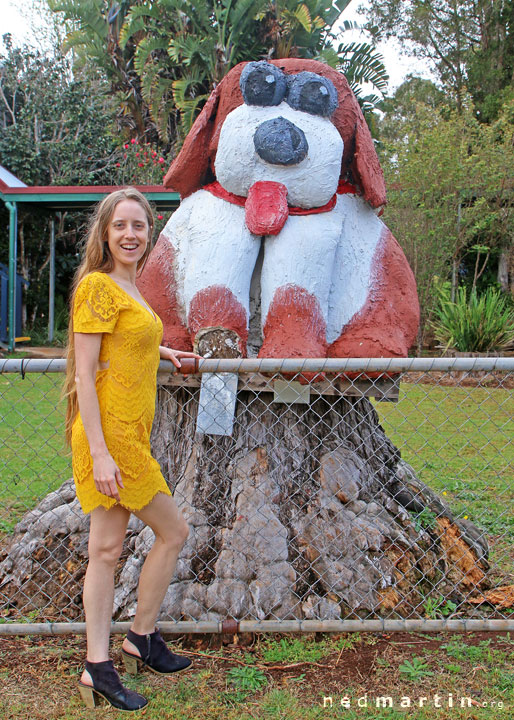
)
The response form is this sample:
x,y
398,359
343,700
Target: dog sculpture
x,y
281,189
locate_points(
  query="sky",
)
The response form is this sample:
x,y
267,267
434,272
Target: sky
x,y
13,19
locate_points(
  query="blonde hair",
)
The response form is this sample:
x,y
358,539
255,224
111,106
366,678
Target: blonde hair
x,y
97,258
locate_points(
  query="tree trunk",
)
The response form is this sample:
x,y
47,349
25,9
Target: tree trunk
x,y
307,511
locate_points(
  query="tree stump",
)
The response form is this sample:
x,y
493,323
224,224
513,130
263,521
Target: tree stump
x,y
306,511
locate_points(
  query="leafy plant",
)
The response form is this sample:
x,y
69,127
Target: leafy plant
x,y
430,607
416,669
438,607
246,679
347,642
475,324
424,519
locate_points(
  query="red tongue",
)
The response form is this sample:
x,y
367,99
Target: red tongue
x,y
266,208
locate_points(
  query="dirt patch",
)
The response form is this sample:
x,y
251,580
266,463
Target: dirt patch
x,y
499,380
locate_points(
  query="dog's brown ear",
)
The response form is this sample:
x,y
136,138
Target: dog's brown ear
x,y
188,170
360,161
366,170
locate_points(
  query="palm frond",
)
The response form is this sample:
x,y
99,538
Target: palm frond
x,y
303,16
144,50
361,63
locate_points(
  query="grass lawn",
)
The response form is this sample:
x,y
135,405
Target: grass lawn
x,y
459,440
33,459
422,677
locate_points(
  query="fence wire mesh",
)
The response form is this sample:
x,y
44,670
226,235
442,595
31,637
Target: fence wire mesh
x,y
349,490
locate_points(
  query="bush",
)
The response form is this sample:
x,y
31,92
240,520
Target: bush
x,y
479,324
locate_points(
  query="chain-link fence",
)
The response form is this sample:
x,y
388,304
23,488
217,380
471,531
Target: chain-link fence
x,y
319,494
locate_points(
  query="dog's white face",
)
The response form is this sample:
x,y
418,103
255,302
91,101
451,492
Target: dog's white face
x,y
310,176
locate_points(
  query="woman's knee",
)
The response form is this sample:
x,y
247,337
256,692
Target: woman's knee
x,y
104,550
176,534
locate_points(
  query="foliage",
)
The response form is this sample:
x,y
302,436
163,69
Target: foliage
x,y
424,520
469,44
449,193
438,607
56,128
140,164
93,34
475,323
164,57
402,108
293,649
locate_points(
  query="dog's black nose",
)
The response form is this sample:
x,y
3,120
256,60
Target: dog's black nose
x,y
280,142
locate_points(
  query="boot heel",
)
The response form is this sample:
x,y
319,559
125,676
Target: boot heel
x,y
88,696
130,664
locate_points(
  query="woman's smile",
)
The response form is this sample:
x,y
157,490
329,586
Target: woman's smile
x,y
128,232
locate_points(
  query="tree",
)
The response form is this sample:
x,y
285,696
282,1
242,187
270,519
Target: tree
x,y
55,129
450,194
402,108
94,36
490,67
166,56
469,43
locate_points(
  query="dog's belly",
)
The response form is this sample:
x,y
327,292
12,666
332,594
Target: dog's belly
x,y
301,255
330,255
354,273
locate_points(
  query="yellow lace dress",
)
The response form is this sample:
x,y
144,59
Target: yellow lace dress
x,y
126,388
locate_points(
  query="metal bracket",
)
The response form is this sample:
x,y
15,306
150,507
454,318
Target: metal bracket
x,y
217,404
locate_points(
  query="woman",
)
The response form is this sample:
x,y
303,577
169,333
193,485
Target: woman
x,y
113,356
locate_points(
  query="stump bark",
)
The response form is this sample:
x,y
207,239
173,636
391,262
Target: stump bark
x,y
304,512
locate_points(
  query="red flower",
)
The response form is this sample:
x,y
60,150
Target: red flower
x,y
161,160
160,217
140,164
118,165
134,141
126,146
137,154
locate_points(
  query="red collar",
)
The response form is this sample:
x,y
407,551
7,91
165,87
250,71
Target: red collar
x,y
344,187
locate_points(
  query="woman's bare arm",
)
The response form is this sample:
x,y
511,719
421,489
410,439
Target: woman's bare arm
x,y
105,471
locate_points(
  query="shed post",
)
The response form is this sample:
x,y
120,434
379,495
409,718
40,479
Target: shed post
x,y
13,234
51,284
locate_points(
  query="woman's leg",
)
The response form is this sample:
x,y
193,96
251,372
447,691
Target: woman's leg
x,y
171,530
106,535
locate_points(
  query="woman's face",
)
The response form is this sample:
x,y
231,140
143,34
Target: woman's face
x,y
128,234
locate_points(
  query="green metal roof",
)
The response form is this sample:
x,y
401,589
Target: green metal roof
x,y
66,198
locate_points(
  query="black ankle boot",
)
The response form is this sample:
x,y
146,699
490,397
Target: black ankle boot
x,y
107,684
154,654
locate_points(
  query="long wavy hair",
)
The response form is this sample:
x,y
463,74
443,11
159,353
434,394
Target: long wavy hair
x,y
96,257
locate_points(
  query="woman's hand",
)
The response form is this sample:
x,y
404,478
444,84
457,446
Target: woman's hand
x,y
107,475
174,355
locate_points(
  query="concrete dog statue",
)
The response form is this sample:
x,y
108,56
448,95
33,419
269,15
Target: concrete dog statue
x,y
277,248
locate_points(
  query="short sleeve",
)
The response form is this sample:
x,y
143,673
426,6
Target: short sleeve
x,y
95,309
